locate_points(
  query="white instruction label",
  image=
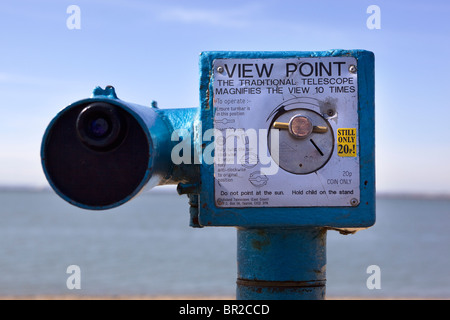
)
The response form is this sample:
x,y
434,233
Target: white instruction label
x,y
287,132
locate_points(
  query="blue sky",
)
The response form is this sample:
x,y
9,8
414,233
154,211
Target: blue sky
x,y
149,51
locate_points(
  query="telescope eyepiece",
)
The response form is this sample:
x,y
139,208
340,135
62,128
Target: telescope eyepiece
x,y
101,127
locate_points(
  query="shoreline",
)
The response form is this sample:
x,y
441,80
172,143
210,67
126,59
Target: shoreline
x,y
186,297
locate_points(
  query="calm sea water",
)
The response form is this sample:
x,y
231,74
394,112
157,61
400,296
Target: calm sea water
x,y
147,248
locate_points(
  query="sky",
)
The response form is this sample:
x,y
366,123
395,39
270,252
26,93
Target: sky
x,y
149,50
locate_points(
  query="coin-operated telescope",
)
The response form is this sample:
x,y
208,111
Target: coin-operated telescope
x,y
281,147
98,153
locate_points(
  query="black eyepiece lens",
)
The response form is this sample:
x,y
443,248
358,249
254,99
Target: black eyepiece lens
x,y
100,126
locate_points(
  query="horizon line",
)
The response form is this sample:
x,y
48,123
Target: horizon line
x,y
172,189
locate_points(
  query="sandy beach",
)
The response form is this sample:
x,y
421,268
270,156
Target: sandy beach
x,y
188,297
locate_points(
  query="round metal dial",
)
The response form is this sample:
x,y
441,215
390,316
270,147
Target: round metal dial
x,y
306,141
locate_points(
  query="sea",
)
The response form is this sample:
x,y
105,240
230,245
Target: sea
x,y
146,248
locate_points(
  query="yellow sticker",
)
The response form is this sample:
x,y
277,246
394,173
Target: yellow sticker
x,y
346,142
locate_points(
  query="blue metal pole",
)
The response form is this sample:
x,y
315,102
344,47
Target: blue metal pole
x,y
281,264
